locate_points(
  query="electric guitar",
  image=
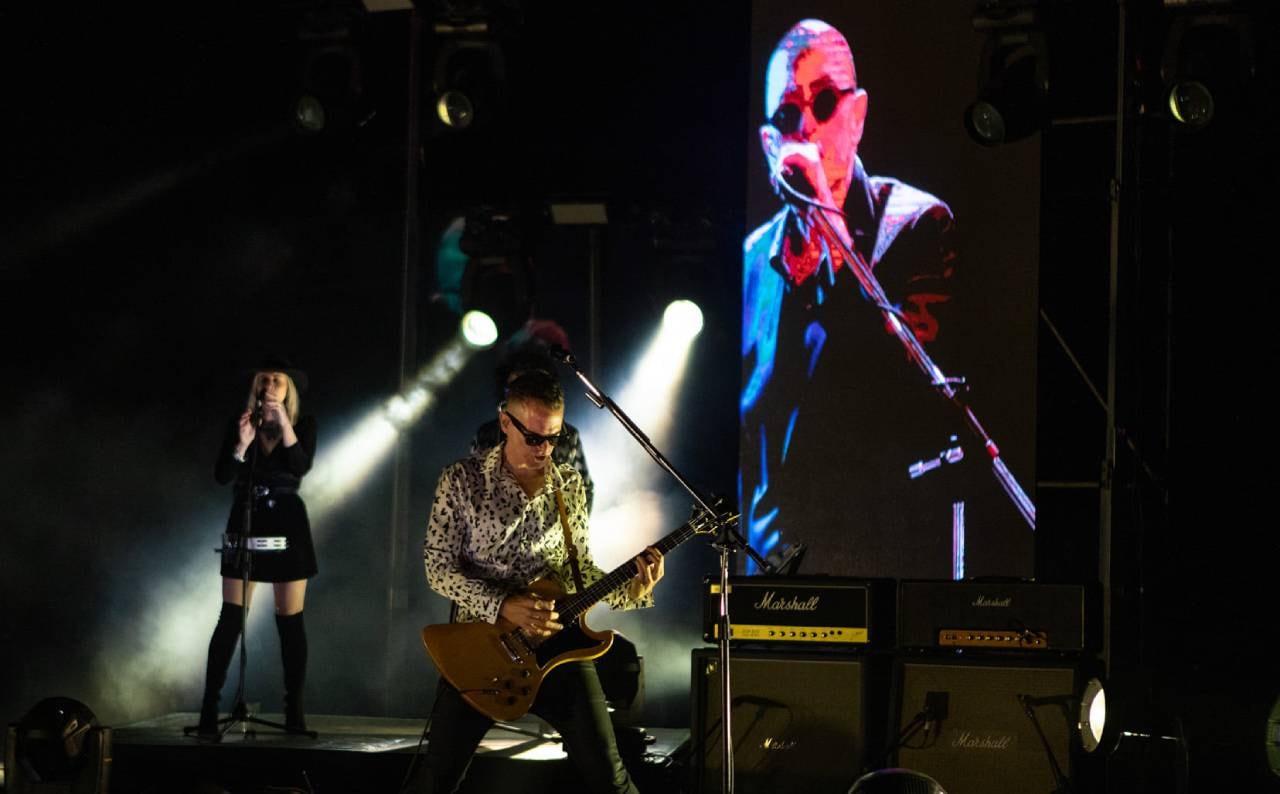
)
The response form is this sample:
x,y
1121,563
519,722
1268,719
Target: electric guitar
x,y
497,668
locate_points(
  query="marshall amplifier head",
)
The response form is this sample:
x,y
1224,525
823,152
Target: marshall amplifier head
x,y
1000,615
789,610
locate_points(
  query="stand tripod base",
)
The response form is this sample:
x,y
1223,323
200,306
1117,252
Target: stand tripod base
x,y
240,714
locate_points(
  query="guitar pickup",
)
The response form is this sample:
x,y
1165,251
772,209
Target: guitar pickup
x,y
512,653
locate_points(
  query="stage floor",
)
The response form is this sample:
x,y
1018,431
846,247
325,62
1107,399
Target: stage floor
x,y
354,755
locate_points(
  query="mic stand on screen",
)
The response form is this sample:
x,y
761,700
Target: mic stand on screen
x,y
944,385
726,541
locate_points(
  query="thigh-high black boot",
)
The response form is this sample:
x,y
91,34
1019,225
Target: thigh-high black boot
x,y
293,652
222,645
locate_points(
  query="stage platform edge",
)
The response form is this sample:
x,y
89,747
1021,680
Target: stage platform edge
x,y
364,755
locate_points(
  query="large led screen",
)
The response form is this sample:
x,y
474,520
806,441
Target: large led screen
x,y
889,300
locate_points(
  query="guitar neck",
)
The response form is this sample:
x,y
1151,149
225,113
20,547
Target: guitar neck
x,y
578,604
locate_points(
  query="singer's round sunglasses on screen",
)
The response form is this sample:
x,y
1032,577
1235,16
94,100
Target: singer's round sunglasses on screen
x,y
788,116
531,438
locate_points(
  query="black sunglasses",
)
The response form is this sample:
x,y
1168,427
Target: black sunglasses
x,y
531,438
788,115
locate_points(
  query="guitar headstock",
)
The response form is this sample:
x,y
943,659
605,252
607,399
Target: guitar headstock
x,y
704,523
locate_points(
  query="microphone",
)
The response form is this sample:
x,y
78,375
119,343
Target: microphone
x,y
255,418
798,180
794,166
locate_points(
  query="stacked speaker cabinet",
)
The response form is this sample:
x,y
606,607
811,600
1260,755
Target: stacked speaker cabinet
x,y
973,683
798,720
987,683
978,726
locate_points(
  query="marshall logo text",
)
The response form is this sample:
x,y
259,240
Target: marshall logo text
x,y
774,744
770,601
985,601
967,740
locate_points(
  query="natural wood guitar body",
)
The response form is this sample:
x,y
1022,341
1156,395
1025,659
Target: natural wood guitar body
x,y
498,669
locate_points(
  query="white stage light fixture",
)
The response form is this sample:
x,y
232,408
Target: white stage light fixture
x,y
683,318
479,329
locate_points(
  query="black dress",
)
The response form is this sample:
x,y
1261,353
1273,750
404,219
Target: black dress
x,y
278,510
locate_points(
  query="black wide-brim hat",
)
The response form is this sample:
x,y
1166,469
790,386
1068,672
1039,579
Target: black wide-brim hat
x,y
277,363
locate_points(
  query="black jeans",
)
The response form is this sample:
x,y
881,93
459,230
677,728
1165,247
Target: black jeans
x,y
570,699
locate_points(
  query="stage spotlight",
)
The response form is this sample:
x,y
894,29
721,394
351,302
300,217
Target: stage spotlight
x,y
497,278
58,746
331,85
627,512
683,318
896,781
308,114
468,80
1013,77
331,90
498,288
1191,103
1093,715
1209,59
478,329
660,369
454,108
1115,710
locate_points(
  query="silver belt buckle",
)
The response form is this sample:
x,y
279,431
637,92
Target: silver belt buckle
x,y
275,543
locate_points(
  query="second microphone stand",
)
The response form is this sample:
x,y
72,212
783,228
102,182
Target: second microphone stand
x,y
244,563
726,541
946,387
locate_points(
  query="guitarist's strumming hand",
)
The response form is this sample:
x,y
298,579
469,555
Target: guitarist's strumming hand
x,y
649,569
535,615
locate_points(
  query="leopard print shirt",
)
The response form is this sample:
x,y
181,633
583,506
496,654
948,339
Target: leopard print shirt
x,y
487,539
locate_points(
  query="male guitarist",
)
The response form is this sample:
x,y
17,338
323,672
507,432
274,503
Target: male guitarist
x,y
498,523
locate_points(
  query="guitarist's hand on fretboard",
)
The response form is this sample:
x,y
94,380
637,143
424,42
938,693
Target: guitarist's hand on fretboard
x,y
649,569
534,616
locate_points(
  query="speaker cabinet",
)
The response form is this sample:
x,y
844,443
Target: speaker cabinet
x,y
798,721
986,726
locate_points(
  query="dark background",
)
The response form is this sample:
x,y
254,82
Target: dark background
x,y
163,226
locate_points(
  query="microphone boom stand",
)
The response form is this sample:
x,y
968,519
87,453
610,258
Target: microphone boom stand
x,y
727,540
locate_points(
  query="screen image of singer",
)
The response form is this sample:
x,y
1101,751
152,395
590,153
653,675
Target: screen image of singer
x,y
889,315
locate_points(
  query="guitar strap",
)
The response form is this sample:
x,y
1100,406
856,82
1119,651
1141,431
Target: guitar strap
x,y
568,542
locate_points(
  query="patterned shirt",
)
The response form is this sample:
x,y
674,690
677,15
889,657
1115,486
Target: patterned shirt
x,y
487,539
